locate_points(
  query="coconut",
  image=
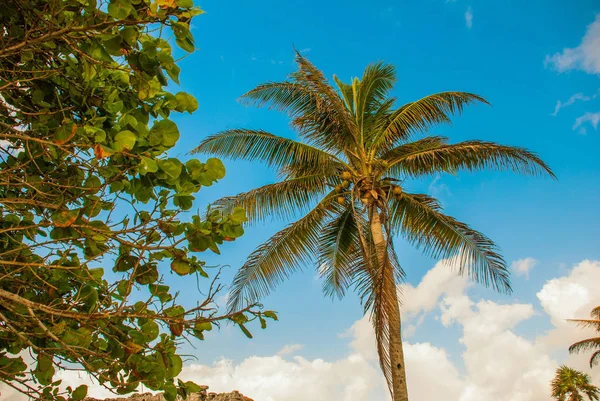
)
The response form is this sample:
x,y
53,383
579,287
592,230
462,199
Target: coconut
x,y
397,190
341,200
345,184
346,175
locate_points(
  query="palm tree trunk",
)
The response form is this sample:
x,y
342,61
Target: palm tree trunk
x,y
396,352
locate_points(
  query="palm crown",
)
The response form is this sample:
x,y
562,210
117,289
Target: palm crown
x,y
348,175
572,385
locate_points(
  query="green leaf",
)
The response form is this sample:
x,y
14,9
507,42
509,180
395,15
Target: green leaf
x,y
125,262
160,291
186,44
232,232
174,311
92,182
181,267
171,166
150,330
173,71
270,315
238,215
37,96
12,365
124,288
176,365
170,392
185,3
89,296
203,326
186,102
245,331
114,107
185,202
215,167
65,133
119,9
192,387
79,393
239,318
147,274
64,218
148,165
164,132
124,140
44,370
96,273
113,44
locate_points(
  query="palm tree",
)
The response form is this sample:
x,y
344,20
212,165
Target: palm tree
x,y
589,344
348,177
571,385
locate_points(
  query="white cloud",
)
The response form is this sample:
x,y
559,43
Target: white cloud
x,y
442,279
277,379
497,363
592,118
584,57
430,374
572,296
290,349
469,17
522,266
576,97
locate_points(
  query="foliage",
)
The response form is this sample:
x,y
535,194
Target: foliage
x,y
348,175
590,344
571,385
90,202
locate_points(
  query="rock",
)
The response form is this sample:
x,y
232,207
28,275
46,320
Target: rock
x,y
203,395
233,396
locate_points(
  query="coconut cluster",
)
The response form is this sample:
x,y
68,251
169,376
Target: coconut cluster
x,y
346,177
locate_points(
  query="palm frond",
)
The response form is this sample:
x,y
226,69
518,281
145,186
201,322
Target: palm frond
x,y
291,98
595,358
432,155
587,323
420,115
345,92
338,253
285,253
259,145
279,200
419,218
332,127
377,80
587,345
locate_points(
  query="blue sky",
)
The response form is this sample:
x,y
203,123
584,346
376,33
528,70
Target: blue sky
x,y
500,50
512,53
